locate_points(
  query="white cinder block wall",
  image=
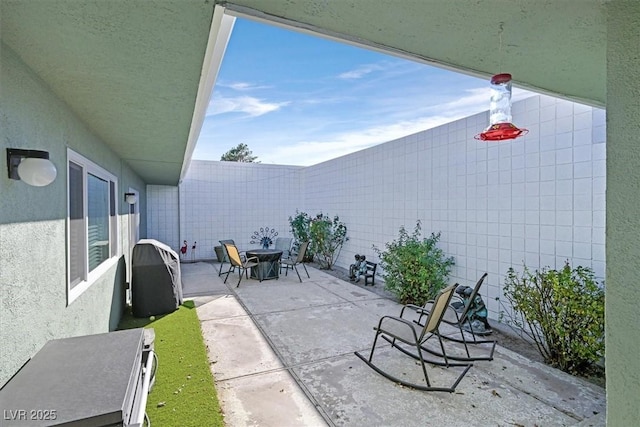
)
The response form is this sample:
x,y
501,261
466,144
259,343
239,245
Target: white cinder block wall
x,y
163,214
539,199
225,200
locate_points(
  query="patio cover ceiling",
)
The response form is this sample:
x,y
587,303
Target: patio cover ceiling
x,y
551,46
131,70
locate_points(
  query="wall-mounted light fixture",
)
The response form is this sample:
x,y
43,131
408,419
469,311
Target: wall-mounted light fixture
x,y
130,198
31,166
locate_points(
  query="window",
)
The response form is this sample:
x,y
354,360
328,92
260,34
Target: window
x,y
92,223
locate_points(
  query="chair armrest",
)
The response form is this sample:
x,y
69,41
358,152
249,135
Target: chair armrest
x,y
415,308
396,319
455,298
255,258
455,312
421,311
399,320
424,311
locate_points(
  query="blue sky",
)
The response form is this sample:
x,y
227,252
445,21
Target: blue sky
x,y
297,99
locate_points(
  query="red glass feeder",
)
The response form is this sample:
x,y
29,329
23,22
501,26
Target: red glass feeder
x,y
500,126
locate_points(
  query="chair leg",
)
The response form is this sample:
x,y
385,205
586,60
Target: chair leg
x,y
424,368
444,353
231,268
225,279
373,347
296,269
240,280
305,269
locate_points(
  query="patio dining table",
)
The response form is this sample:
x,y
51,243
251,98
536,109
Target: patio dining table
x,y
268,263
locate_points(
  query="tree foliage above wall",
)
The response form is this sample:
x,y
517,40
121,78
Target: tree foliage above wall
x,y
239,153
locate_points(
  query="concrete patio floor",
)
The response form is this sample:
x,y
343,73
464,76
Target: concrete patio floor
x,y
281,352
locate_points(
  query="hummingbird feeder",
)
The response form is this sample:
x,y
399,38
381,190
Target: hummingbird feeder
x,y
500,126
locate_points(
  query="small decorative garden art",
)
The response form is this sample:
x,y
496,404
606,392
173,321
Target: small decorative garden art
x,y
264,237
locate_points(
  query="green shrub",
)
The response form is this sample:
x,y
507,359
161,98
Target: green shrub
x,y
415,269
300,225
327,238
562,312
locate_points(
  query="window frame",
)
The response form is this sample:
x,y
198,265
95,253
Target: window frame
x,y
114,252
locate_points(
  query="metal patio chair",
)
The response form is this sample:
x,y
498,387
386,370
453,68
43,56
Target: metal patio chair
x,y
293,262
225,256
401,330
284,244
459,319
237,261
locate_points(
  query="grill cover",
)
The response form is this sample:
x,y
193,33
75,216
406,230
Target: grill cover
x,y
156,285
88,381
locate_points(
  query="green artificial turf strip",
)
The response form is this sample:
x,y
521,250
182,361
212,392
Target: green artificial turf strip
x,y
184,392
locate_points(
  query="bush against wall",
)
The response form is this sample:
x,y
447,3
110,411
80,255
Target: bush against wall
x,y
562,312
327,237
300,225
415,269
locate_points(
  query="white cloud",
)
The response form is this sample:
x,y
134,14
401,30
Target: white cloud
x,y
307,153
249,105
475,101
241,86
295,150
360,71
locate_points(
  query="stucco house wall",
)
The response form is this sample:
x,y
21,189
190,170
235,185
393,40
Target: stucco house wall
x,y
623,223
33,279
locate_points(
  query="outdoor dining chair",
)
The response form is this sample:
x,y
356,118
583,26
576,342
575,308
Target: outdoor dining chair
x,y
401,330
225,256
293,262
461,321
284,244
237,261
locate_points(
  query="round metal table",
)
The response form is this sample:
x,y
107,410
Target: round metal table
x,y
269,263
